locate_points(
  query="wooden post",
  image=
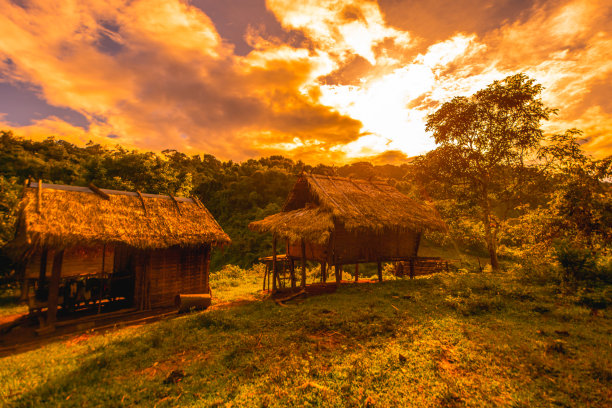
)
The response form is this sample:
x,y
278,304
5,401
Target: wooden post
x,y
338,271
323,271
42,275
56,273
207,269
265,274
274,264
379,264
356,272
303,265
292,272
411,268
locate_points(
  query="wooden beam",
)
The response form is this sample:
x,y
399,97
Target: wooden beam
x,y
303,264
142,202
356,272
380,278
99,192
56,274
176,204
274,274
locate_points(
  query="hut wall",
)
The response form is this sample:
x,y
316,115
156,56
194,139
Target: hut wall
x,y
77,261
173,271
367,246
313,251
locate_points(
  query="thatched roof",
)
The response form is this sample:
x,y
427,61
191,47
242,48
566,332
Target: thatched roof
x,y
316,202
60,216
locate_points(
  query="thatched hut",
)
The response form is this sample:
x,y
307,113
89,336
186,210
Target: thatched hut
x,y
338,221
143,248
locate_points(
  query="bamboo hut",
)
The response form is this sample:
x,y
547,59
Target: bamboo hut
x,y
339,221
83,244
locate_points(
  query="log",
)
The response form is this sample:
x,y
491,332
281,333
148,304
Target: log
x,y
99,192
188,302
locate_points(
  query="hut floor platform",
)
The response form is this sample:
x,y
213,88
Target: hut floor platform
x,y
317,288
24,337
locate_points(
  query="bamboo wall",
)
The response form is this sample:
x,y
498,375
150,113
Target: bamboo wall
x,y
174,271
77,261
351,247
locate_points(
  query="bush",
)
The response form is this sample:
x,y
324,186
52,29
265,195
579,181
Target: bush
x,y
577,264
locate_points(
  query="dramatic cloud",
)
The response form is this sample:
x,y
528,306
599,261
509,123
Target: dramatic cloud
x,y
327,81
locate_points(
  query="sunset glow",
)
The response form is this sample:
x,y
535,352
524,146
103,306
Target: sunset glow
x,y
321,81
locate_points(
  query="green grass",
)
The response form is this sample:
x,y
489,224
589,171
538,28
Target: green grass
x,y
460,339
9,302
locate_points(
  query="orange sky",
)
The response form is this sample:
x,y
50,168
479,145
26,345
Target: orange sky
x,y
321,81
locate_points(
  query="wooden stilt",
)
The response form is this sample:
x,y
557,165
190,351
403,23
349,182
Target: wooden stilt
x,y
56,273
42,275
323,272
379,264
356,272
274,271
303,284
292,271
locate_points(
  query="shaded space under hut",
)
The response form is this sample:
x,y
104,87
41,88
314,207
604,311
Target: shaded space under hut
x,y
338,221
84,248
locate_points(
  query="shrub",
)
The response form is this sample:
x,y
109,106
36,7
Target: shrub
x,y
577,264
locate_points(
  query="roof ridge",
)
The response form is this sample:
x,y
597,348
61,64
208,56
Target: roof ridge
x,y
81,189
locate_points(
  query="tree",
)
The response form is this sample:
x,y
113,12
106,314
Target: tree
x,y
484,141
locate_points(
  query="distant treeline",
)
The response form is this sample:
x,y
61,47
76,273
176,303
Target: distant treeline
x,y
235,193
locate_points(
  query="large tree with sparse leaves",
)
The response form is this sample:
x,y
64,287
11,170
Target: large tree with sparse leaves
x,y
484,141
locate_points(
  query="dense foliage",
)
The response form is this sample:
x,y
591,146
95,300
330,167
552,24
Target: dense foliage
x,y
235,193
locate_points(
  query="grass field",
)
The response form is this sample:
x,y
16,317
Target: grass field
x,y
453,340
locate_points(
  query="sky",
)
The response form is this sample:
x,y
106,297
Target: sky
x,y
322,81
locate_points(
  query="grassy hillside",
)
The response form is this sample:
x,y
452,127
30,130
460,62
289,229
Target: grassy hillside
x,y
462,339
